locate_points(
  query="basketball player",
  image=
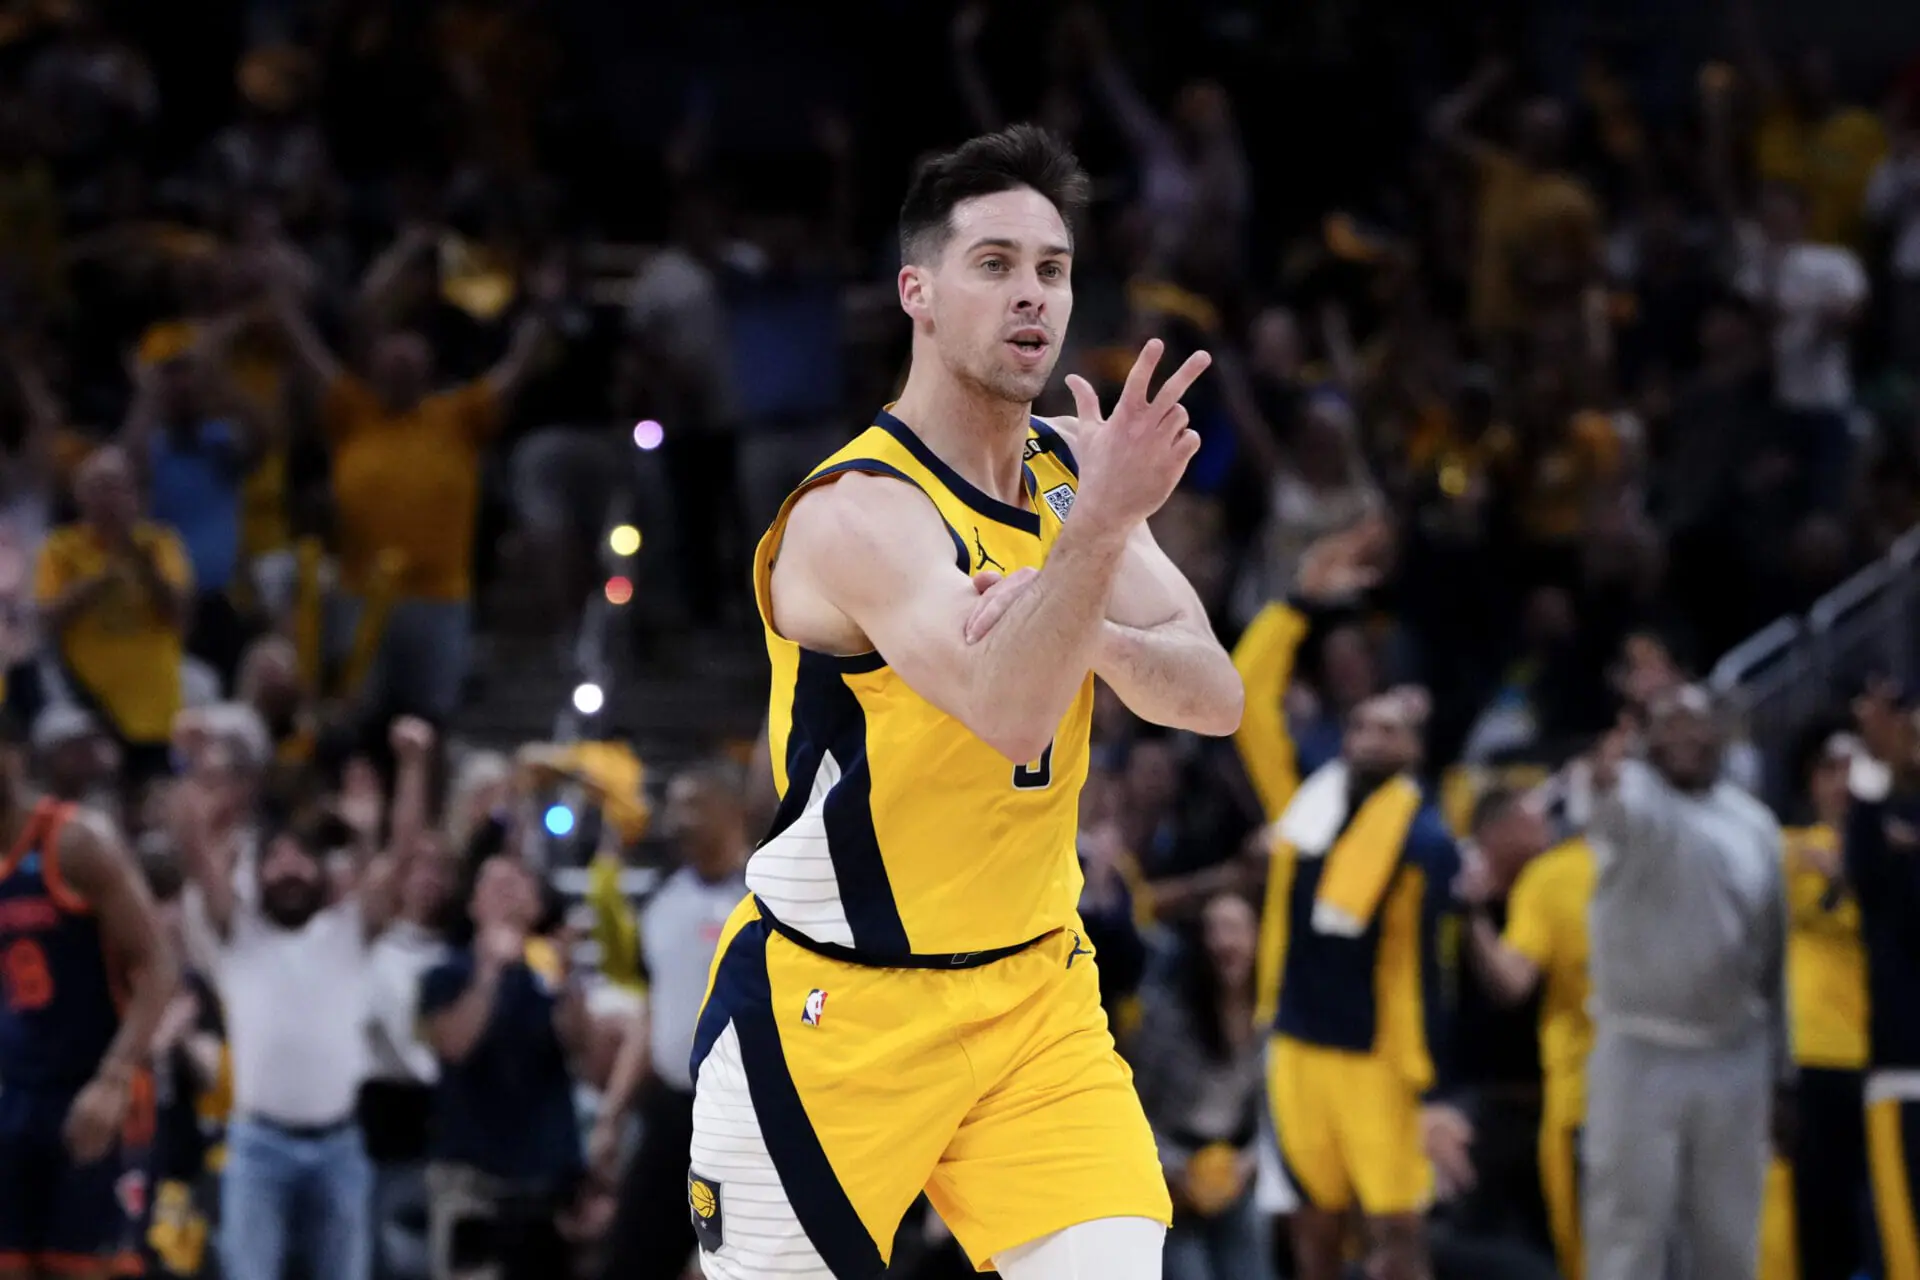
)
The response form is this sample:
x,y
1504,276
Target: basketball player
x,y
906,1000
84,979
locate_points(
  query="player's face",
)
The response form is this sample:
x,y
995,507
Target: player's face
x,y
1000,294
1379,741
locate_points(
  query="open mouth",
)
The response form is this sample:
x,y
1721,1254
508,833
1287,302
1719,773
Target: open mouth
x,y
1029,343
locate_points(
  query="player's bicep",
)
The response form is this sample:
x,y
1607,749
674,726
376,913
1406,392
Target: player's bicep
x,y
97,868
875,551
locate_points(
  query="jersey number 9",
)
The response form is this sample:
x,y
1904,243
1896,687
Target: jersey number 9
x,y
1037,776
24,974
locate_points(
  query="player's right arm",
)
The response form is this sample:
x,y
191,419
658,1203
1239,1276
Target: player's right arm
x,y
873,551
871,555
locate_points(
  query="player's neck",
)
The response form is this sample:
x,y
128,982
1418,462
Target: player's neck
x,y
982,437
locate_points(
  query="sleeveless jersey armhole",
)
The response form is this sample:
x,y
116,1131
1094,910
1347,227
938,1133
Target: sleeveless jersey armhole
x,y
52,821
769,549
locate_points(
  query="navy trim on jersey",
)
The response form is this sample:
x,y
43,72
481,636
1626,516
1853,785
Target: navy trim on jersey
x,y
957,484
824,705
743,995
1051,441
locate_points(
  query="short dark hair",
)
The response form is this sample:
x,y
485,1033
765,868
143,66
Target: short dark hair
x,y
1021,155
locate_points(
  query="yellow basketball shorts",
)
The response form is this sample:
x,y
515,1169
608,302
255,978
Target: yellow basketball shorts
x,y
829,1095
1349,1130
1893,1156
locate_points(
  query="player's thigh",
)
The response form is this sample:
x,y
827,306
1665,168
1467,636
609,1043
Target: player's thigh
x,y
1380,1142
824,1093
93,1216
1104,1249
1303,1097
1058,1136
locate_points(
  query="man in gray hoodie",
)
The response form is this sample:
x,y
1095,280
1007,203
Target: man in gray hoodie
x,y
1688,963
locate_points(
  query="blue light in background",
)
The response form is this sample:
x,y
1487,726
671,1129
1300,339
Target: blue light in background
x,y
559,820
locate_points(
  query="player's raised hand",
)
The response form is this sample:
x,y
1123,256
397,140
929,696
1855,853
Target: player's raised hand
x,y
1131,459
997,595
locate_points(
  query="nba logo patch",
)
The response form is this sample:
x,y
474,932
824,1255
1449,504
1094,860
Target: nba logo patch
x,y
816,1005
1060,498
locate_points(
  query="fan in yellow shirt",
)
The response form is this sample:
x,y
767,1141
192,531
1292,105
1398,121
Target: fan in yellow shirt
x,y
1827,996
114,591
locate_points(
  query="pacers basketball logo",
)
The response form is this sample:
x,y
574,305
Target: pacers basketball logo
x,y
703,1200
816,1005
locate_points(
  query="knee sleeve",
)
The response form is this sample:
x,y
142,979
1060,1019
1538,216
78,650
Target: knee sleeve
x,y
1104,1249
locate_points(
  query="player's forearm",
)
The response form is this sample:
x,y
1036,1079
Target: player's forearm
x,y
1509,976
153,976
1031,666
1174,674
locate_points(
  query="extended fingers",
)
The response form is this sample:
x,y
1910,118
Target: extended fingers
x,y
1140,377
1086,402
1176,386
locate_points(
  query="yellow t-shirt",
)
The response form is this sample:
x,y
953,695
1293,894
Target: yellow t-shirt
x,y
1831,160
119,647
1525,215
1547,923
1826,963
409,482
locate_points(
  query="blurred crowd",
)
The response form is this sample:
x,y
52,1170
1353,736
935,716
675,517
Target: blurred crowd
x,y
329,354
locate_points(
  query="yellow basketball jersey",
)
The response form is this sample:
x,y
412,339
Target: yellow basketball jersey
x,y
899,832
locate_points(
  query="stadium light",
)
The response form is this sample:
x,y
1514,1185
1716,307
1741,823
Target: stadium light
x,y
619,589
624,539
647,434
588,698
559,820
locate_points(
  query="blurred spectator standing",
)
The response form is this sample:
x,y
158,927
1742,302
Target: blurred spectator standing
x,y
1498,1063
195,437
1691,1032
503,1016
297,1183
116,591
406,477
1893,202
396,1102
1197,1062
680,926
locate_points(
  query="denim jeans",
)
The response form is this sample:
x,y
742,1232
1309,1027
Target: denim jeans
x,y
284,1196
400,1221
1231,1245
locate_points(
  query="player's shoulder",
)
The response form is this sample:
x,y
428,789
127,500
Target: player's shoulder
x,y
1561,865
87,847
1056,437
856,525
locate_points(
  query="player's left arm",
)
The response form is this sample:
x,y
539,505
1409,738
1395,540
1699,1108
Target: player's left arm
x,y
1157,648
98,868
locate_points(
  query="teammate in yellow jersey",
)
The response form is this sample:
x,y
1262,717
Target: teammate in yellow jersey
x,y
906,1000
1544,948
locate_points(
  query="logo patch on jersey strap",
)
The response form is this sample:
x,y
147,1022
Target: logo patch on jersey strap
x,y
1060,498
816,1006
703,1206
